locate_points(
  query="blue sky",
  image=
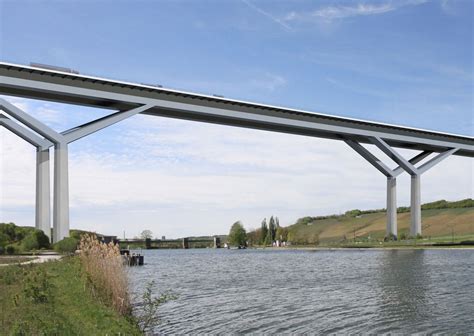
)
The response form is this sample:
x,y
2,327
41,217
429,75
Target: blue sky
x,y
405,62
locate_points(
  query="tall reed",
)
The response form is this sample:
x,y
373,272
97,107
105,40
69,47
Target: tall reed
x,y
105,273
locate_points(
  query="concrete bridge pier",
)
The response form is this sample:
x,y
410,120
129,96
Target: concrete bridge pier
x,y
391,174
61,192
61,142
415,206
42,192
391,227
415,172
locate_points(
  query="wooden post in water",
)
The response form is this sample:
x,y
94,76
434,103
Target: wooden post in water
x,y
217,242
185,243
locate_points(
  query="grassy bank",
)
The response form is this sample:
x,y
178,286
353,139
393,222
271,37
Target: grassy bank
x,y
54,299
439,225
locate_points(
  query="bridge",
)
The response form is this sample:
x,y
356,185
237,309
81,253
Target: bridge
x,y
184,243
128,99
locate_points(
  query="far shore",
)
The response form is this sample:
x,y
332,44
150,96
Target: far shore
x,y
378,248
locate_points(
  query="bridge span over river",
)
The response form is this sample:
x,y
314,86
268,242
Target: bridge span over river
x,y
128,99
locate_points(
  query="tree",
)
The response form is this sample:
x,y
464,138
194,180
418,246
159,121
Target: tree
x,y
263,232
35,240
353,213
272,229
254,237
237,235
146,234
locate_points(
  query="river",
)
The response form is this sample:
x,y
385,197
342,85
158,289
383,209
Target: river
x,y
299,291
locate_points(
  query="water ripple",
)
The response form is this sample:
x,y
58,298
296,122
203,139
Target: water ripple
x,y
301,292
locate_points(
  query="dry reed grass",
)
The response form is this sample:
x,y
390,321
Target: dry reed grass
x,y
105,273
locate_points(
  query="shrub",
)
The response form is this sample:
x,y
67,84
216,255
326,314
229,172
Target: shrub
x,y
67,245
391,237
353,213
35,240
403,236
10,249
147,310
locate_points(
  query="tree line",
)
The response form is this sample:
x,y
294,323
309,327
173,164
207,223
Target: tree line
x,y
269,232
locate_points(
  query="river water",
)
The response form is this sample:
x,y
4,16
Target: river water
x,y
295,291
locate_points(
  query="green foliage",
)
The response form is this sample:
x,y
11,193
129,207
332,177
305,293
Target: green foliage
x,y
37,286
263,232
237,235
35,240
8,229
10,249
271,230
67,245
390,237
254,237
146,311
22,238
4,239
443,204
305,220
353,213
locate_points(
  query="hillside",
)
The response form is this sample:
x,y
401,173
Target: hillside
x,y
437,223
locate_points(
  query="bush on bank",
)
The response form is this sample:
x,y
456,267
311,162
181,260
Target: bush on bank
x,y
15,239
68,245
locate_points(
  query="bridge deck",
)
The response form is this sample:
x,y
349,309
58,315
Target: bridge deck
x,y
64,87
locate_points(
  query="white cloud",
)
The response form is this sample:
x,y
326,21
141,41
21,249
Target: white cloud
x,y
340,12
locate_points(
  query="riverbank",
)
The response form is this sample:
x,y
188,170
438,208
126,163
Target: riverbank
x,y
375,246
364,248
53,298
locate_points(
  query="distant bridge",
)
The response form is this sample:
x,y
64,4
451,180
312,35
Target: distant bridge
x,y
128,99
184,243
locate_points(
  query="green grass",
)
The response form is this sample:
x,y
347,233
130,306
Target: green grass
x,y
53,299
